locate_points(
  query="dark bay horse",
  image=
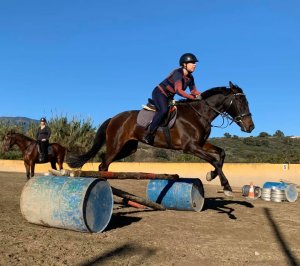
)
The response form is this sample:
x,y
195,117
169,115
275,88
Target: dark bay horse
x,y
189,134
29,148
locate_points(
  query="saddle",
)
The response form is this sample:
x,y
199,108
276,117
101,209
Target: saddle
x,y
146,115
50,151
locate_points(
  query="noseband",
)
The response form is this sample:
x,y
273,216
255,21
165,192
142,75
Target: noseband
x,y
238,118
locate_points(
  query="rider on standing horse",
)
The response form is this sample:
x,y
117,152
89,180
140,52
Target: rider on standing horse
x,y
175,83
42,136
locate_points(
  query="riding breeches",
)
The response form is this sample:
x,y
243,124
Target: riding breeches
x,y
161,104
44,146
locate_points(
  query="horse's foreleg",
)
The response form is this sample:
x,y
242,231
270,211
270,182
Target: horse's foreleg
x,y
32,165
215,156
27,167
219,155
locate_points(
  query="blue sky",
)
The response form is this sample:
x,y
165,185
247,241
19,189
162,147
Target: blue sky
x,y
95,59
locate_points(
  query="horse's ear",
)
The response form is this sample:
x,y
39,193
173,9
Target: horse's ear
x,y
231,85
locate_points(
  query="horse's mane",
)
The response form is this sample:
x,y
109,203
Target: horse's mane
x,y
22,135
211,92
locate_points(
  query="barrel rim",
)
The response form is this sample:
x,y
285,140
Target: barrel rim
x,y
85,202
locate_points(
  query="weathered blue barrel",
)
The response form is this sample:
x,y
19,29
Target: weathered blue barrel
x,y
182,194
290,190
80,204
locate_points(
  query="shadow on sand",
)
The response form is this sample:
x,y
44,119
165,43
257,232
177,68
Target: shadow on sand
x,y
127,251
291,259
223,205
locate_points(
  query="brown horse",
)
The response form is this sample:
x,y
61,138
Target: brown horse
x,y
189,134
29,148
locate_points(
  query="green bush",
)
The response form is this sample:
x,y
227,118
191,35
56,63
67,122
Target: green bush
x,y
77,136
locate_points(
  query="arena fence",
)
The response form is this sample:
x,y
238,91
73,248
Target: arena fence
x,y
238,174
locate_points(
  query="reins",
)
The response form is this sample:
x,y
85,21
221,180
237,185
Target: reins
x,y
223,114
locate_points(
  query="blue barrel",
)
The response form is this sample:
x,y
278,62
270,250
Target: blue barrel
x,y
186,194
291,192
80,204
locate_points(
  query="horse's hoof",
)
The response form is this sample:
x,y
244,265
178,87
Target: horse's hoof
x,y
228,193
210,176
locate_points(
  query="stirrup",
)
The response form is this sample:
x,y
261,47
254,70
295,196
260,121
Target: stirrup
x,y
149,138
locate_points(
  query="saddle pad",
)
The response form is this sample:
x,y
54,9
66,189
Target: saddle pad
x,y
145,118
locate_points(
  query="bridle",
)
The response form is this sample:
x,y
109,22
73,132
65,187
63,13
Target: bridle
x,y
224,114
12,142
8,142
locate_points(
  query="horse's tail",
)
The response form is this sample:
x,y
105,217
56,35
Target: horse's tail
x,y
77,161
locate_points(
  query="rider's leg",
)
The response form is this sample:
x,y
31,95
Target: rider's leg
x,y
161,103
44,147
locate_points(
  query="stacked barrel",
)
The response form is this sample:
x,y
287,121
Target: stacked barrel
x,y
279,192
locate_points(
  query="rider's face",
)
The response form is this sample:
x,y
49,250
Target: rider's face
x,y
190,67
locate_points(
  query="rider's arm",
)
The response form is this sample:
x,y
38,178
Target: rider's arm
x,y
37,134
193,88
49,133
178,86
181,92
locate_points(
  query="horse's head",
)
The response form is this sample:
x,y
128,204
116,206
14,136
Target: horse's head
x,y
8,141
238,108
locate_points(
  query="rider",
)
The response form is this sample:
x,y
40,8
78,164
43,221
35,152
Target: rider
x,y
42,136
176,83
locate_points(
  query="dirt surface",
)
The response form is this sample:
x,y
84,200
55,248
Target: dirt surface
x,y
227,232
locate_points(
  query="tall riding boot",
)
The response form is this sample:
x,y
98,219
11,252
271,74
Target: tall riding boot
x,y
149,138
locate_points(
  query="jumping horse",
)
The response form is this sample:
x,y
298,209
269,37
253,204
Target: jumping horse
x,y
189,133
29,149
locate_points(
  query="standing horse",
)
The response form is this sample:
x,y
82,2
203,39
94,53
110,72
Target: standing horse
x,y
189,134
29,148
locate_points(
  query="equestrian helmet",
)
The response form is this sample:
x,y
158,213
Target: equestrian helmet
x,y
43,119
187,58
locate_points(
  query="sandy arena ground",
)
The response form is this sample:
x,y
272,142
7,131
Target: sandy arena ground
x,y
227,232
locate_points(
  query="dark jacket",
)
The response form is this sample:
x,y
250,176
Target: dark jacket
x,y
44,133
177,83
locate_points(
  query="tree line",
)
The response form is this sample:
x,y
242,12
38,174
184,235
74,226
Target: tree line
x,y
77,136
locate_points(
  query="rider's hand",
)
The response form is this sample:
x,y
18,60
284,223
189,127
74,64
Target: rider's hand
x,y
198,97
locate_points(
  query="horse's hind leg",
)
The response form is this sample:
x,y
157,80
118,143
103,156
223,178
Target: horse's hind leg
x,y
129,148
53,164
60,160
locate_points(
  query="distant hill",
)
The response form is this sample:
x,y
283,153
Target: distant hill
x,y
18,121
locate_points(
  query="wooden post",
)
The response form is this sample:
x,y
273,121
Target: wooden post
x,y
124,175
125,195
114,175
